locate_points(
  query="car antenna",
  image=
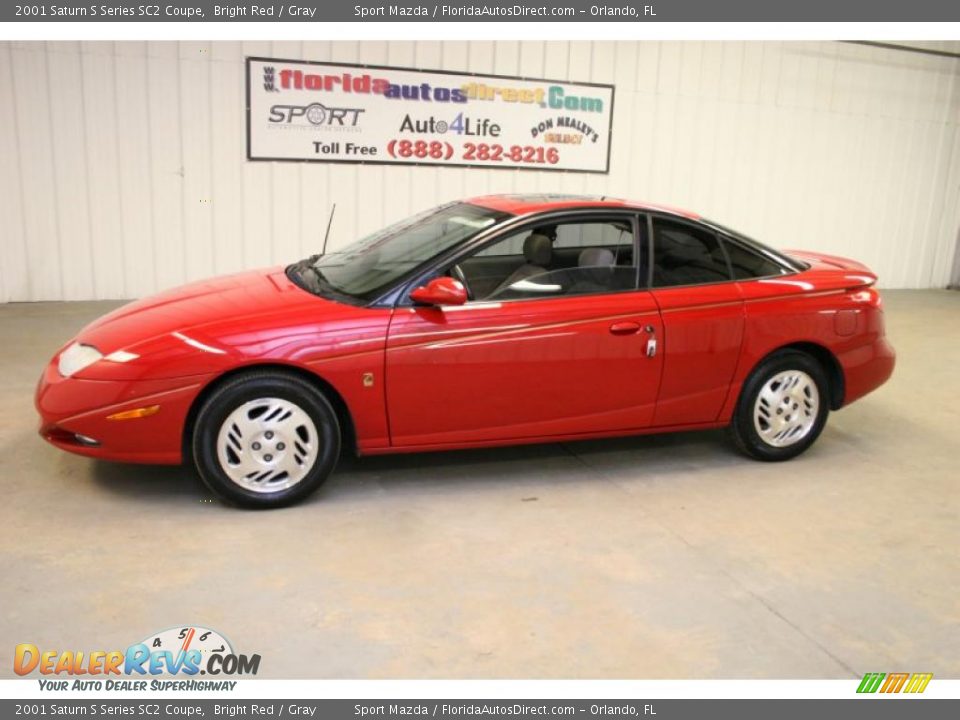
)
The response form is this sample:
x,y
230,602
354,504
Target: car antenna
x,y
326,236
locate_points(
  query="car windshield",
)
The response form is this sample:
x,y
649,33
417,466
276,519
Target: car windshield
x,y
368,267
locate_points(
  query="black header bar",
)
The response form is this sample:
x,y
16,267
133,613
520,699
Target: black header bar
x,y
538,11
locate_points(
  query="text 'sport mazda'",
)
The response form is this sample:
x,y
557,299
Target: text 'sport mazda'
x,y
499,320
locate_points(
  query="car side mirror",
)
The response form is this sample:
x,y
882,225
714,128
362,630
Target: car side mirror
x,y
440,291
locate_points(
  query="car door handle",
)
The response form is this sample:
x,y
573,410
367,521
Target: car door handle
x,y
625,328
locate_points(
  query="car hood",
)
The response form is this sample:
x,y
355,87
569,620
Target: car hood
x,y
220,316
195,305
211,326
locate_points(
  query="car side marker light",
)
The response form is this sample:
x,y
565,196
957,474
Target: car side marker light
x,y
134,414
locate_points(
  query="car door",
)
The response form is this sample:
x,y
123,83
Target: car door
x,y
703,318
566,351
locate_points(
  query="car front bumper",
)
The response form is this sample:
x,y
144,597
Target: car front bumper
x,y
75,416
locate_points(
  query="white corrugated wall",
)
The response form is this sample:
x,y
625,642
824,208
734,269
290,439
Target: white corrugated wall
x,y
123,171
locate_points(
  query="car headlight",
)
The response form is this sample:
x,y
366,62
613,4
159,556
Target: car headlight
x,y
76,357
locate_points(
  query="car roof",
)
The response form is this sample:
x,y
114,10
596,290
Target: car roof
x,y
520,204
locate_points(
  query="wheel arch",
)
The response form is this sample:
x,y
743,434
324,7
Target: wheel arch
x,y
329,391
828,361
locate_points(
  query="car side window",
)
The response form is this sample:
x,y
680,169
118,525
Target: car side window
x,y
686,255
554,259
510,247
749,263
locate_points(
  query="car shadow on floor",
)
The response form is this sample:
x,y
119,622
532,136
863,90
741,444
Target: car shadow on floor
x,y
149,482
657,455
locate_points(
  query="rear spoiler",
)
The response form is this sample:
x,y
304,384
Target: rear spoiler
x,y
858,274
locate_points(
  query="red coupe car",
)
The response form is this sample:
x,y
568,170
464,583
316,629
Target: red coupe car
x,y
497,320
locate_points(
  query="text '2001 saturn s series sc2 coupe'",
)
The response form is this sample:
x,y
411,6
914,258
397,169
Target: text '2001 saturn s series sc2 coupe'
x,y
498,320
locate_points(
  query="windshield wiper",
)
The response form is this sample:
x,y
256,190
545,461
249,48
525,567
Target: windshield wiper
x,y
306,275
312,277
298,273
320,280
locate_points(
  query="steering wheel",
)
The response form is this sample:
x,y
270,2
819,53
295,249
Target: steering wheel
x,y
456,272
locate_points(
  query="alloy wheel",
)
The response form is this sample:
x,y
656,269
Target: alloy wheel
x,y
267,445
786,408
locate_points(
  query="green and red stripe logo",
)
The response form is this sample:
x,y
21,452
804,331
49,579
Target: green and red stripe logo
x,y
894,682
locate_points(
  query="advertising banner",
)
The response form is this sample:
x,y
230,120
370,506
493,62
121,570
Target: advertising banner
x,y
323,112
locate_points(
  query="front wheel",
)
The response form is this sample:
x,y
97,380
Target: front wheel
x,y
783,407
265,439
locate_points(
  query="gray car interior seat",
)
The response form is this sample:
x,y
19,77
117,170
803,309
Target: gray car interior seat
x,y
683,259
595,268
538,252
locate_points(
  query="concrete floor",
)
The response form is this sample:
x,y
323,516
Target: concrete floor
x,y
657,557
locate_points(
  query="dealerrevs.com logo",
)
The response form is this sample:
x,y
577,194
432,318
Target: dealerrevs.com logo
x,y
181,651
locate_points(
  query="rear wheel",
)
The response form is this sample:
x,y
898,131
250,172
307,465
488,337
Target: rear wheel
x,y
782,408
265,439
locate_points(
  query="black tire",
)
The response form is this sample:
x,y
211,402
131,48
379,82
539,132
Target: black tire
x,y
251,386
743,430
